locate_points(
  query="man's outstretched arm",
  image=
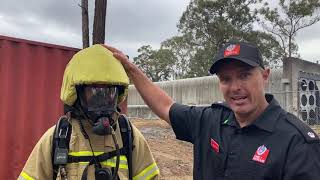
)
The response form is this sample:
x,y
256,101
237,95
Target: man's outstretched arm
x,y
156,98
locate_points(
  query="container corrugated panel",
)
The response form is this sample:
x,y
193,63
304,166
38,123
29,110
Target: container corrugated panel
x,y
30,81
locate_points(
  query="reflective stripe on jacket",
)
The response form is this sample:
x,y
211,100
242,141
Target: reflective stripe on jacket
x,y
39,163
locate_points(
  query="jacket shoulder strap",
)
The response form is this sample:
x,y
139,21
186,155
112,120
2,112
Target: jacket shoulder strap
x,y
61,139
60,144
127,139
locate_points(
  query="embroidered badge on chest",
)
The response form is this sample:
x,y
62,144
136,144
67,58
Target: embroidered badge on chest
x,y
261,154
214,145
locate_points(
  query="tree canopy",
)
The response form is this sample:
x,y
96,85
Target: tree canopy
x,y
205,26
157,64
289,17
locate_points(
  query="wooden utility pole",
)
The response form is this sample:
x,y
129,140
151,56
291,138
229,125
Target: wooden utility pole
x,y
99,23
85,23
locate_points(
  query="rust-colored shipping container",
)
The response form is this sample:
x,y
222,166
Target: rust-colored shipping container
x,y
30,80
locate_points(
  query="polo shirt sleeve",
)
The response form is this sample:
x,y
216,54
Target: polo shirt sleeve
x,y
303,161
185,121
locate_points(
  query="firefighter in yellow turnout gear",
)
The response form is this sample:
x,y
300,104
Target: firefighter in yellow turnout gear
x,y
94,83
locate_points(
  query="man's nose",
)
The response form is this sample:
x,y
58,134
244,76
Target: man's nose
x,y
236,84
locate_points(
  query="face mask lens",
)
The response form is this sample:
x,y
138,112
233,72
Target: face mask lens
x,y
100,98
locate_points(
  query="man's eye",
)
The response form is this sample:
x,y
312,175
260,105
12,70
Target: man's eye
x,y
224,80
244,75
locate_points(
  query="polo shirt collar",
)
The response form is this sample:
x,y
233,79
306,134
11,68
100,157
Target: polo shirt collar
x,y
266,121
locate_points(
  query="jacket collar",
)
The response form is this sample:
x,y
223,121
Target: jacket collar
x,y
99,143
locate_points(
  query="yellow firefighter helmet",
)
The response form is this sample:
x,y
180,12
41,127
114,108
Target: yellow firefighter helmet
x,y
93,65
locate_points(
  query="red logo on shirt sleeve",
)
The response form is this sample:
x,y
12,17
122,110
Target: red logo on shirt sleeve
x,y
232,50
214,145
261,154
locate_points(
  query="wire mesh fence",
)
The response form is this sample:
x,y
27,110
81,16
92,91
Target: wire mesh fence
x,y
303,103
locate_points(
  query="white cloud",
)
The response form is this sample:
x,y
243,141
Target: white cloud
x,y
60,35
309,50
129,24
308,40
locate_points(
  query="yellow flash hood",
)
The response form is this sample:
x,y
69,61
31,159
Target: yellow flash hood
x,y
93,65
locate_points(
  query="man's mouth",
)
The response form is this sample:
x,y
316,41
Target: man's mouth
x,y
239,99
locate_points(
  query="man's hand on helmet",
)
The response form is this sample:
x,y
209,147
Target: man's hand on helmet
x,y
123,58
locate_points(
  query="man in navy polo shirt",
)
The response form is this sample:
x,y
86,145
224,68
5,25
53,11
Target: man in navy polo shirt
x,y
249,137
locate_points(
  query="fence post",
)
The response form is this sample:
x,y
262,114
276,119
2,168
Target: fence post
x,y
286,88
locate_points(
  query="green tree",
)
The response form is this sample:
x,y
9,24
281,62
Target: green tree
x,y
205,26
215,22
269,47
287,19
181,51
208,25
157,64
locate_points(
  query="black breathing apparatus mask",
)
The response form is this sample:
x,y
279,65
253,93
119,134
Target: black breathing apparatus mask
x,y
99,103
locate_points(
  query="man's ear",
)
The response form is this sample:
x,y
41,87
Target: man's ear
x,y
265,75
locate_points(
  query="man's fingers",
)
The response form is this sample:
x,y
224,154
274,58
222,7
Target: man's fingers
x,y
120,56
112,49
117,54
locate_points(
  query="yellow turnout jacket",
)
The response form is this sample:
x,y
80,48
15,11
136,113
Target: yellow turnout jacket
x,y
39,163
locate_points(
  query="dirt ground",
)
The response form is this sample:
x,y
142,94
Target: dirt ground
x,y
174,157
